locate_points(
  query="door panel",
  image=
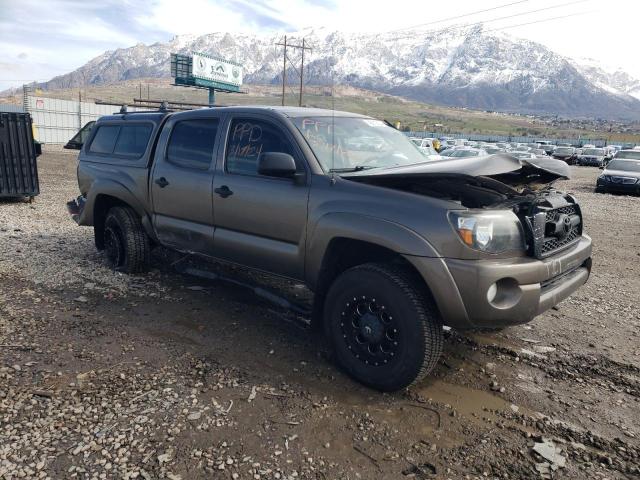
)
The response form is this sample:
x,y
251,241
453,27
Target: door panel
x,y
181,186
262,223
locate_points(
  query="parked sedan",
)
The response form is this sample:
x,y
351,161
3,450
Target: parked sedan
x,y
592,157
549,149
567,154
467,152
620,175
539,152
426,146
491,150
524,155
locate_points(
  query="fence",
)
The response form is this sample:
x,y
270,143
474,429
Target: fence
x,y
11,108
505,138
55,121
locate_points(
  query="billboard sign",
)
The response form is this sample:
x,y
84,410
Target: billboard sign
x,y
216,70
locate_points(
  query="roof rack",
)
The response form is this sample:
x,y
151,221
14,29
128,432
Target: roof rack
x,y
163,108
171,104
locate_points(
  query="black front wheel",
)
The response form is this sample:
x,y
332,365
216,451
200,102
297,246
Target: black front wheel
x,y
383,326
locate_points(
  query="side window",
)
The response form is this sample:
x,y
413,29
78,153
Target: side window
x,y
192,142
133,140
248,139
105,139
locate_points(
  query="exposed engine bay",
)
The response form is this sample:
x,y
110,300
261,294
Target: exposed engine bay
x,y
552,219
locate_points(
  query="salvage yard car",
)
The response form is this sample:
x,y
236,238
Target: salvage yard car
x,y
393,246
592,157
425,145
566,154
620,175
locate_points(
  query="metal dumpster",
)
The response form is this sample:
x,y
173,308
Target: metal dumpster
x,y
18,152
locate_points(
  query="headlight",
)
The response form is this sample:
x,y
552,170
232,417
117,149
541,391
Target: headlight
x,y
489,231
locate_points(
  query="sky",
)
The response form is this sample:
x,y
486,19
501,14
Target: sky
x,y
40,39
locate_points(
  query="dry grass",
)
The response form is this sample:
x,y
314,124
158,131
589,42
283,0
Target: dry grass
x,y
414,115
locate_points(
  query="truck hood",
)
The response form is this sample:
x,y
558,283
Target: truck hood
x,y
473,181
485,166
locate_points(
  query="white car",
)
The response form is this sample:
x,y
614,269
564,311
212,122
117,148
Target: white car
x,y
425,145
467,152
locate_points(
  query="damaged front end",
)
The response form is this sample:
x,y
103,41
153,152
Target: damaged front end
x,y
551,219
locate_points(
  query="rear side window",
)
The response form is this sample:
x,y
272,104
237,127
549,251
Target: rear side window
x,y
132,141
248,139
121,140
105,139
192,142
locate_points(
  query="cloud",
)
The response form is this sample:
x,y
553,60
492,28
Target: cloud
x,y
47,38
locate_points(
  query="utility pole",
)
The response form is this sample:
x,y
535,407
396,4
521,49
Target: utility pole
x,y
284,68
79,109
303,47
301,73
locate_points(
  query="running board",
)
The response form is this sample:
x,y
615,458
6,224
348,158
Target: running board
x,y
301,315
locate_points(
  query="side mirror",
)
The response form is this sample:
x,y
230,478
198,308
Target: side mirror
x,y
276,164
79,138
70,145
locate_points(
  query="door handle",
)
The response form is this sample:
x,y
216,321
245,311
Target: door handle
x,y
162,182
223,191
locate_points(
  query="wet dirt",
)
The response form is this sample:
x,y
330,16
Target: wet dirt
x,y
166,375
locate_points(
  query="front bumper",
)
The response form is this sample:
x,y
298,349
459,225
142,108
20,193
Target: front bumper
x,y
590,162
524,286
630,188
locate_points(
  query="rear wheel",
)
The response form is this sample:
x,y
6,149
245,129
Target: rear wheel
x,y
126,245
383,326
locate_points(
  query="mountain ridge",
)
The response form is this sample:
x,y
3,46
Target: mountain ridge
x,y
463,67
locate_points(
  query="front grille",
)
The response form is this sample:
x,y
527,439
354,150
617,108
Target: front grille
x,y
554,226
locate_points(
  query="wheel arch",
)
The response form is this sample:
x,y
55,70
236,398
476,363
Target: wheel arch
x,y
105,194
343,253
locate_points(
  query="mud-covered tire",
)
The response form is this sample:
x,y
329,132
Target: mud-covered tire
x,y
126,244
373,298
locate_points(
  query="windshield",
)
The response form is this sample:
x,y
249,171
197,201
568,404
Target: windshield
x,y
357,143
624,165
598,152
634,154
563,151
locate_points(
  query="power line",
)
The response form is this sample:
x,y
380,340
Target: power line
x,y
459,16
541,21
453,27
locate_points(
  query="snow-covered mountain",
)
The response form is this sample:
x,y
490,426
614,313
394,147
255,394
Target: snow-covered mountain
x,y
614,80
463,67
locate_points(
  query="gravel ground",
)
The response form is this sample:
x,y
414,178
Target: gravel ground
x,y
104,375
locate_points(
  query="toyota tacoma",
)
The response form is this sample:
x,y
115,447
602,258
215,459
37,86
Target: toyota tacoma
x,y
392,245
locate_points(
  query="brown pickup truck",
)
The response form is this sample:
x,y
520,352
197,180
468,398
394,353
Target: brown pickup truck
x,y
394,246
